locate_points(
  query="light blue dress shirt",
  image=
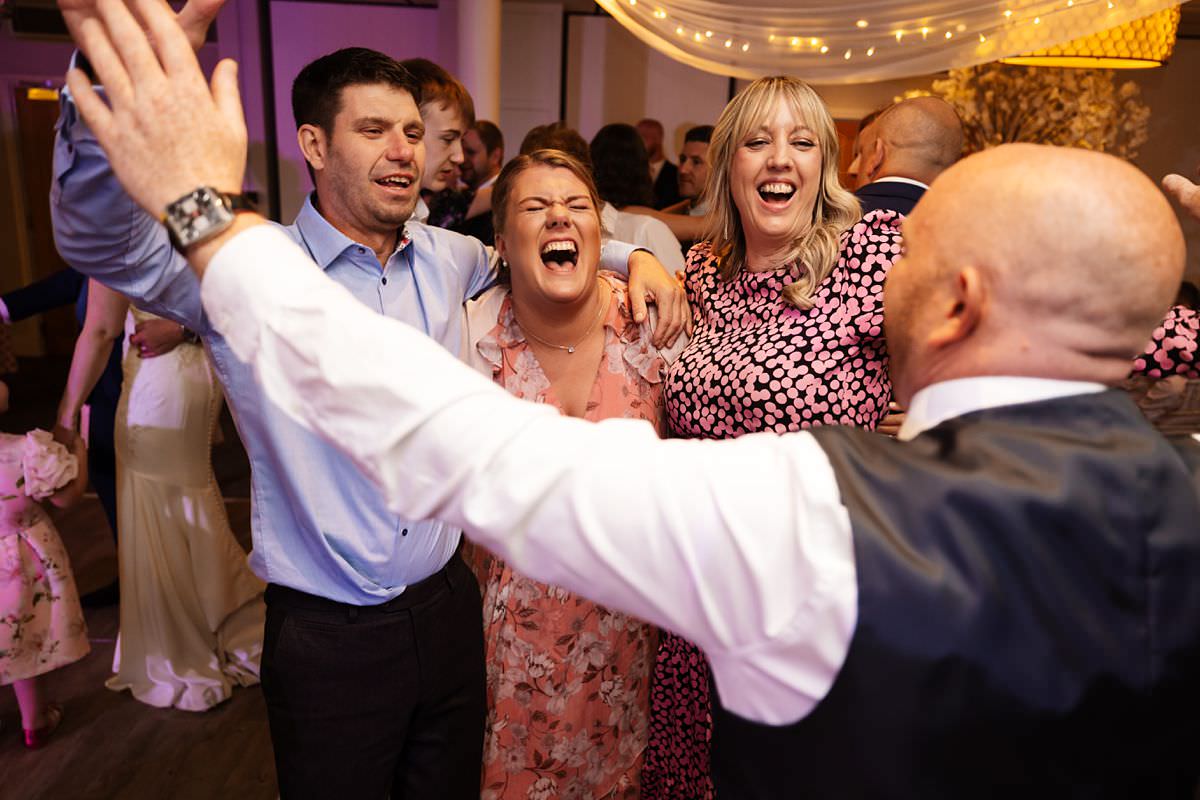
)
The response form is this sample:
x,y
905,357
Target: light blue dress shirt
x,y
318,525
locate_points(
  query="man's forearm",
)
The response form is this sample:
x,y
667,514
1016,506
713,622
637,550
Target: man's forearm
x,y
102,232
443,442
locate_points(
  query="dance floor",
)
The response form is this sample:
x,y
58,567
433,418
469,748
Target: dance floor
x,y
110,745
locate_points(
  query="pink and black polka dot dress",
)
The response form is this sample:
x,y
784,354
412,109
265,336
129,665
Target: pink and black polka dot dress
x,y
1174,349
757,363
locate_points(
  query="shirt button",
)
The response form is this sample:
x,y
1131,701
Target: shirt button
x,y
404,532
361,249
383,280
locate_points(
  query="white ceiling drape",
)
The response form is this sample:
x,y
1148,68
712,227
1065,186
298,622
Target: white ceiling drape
x,y
829,42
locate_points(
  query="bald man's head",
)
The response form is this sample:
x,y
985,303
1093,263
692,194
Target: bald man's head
x,y
1031,260
916,138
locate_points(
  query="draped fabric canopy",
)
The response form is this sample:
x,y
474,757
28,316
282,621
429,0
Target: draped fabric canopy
x,y
831,42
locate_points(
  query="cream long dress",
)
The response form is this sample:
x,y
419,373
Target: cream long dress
x,y
191,611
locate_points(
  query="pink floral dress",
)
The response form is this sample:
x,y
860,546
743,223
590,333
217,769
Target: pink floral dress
x,y
568,680
757,363
41,623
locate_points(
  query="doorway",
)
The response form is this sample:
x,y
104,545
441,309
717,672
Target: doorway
x,y
36,113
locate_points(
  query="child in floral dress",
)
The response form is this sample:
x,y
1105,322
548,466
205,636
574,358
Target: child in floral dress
x,y
41,623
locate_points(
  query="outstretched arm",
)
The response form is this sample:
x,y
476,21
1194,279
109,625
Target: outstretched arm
x,y
58,289
743,546
98,228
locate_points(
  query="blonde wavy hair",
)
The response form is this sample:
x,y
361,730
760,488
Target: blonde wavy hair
x,y
816,240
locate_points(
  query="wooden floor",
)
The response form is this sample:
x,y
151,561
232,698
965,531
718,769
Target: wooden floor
x,y
110,745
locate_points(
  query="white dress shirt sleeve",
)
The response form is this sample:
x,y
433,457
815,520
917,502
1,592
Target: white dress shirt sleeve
x,y
742,546
664,244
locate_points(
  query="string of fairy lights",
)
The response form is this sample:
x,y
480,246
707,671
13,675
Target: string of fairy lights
x,y
891,36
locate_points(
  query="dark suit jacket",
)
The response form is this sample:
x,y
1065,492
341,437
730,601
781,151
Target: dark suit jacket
x,y
61,288
666,186
889,196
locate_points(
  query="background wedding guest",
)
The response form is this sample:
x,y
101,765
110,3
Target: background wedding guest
x,y
787,293
663,174
686,219
483,155
557,135
619,165
41,622
191,612
448,112
902,150
68,287
556,331
694,168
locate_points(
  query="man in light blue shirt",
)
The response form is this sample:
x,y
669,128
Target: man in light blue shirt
x,y
373,657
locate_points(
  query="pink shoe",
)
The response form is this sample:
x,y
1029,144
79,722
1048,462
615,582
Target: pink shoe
x,y
39,736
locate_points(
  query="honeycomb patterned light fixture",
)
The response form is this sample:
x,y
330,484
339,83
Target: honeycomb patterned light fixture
x,y
1140,44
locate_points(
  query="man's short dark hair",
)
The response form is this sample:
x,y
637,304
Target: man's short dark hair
x,y
439,86
317,90
490,135
700,133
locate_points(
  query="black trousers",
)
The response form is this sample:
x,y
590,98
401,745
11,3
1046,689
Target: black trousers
x,y
377,701
102,455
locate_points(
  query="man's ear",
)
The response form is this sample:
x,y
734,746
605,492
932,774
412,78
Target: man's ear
x,y
871,160
964,310
313,144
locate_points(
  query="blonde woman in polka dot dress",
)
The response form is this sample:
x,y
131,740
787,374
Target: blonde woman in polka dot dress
x,y
787,294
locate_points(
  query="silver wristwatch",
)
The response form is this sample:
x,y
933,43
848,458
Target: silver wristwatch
x,y
202,214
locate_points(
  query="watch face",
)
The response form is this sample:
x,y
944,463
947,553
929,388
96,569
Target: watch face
x,y
197,216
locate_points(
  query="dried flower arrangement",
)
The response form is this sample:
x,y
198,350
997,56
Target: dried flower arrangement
x,y
1071,107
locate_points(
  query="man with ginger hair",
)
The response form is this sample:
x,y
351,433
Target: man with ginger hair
x,y
900,152
1002,602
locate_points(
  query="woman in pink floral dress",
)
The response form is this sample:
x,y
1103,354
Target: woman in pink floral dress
x,y
41,623
568,680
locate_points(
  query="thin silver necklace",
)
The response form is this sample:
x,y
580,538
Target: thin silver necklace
x,y
570,348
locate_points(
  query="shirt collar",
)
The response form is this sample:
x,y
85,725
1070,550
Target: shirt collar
x,y
325,242
421,212
490,181
935,404
609,217
898,179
